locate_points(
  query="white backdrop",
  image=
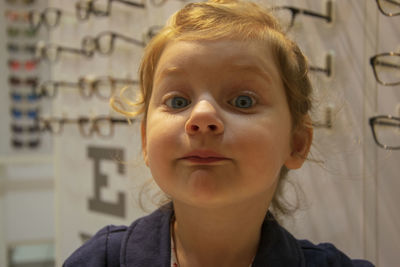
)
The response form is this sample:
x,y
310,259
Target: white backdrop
x,y
351,196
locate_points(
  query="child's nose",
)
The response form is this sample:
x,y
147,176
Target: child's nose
x,y
204,119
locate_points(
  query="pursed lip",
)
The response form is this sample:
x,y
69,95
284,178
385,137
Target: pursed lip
x,y
203,156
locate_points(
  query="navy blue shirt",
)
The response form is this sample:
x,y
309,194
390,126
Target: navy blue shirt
x,y
146,243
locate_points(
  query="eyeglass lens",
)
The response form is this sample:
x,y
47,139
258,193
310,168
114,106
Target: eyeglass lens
x,y
105,43
16,81
16,143
85,127
389,7
31,97
15,48
101,7
49,52
104,127
387,132
285,17
50,17
47,89
104,87
387,69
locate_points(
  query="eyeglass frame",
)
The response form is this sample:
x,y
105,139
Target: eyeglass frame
x,y
27,65
294,11
87,40
15,31
28,81
95,128
41,51
328,69
372,62
43,19
56,84
15,48
90,8
372,123
18,97
15,16
19,129
93,85
17,113
41,92
80,121
378,2
31,144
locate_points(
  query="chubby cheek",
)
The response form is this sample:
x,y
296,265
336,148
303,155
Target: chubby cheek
x,y
161,146
263,152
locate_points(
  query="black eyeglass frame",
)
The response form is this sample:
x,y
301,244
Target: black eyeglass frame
x,y
374,121
373,61
296,11
327,69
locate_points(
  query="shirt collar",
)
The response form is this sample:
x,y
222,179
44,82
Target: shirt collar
x,y
147,243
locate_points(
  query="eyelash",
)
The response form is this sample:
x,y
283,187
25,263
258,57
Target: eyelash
x,y
168,102
248,95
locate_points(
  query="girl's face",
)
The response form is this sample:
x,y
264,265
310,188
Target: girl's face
x,y
218,127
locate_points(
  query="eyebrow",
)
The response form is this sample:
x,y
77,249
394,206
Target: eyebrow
x,y
171,71
250,68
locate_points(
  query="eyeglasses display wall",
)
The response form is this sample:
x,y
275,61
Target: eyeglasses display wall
x,y
65,59
23,72
93,53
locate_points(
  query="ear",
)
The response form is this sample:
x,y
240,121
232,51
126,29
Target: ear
x,y
301,144
144,142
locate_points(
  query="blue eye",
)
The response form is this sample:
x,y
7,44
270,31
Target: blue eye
x,y
243,101
177,102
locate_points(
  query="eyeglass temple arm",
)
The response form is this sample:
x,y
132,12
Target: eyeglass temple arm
x,y
327,17
130,40
328,120
68,84
328,66
126,81
121,120
386,123
141,5
72,50
386,64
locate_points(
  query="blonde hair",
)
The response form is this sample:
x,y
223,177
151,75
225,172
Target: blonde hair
x,y
235,20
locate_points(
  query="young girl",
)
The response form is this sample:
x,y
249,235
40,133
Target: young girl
x,y
225,103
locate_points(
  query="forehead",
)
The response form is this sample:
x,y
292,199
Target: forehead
x,y
250,56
